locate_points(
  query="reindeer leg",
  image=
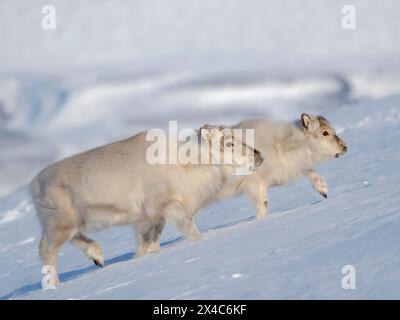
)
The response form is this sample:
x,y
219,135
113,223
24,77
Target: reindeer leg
x,y
90,247
318,182
183,220
148,234
256,189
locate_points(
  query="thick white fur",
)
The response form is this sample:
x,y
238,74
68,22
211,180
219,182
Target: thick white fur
x,y
114,185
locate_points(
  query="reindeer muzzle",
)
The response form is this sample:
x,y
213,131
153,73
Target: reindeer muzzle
x,y
344,150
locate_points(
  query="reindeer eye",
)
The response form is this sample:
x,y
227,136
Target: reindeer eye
x,y
325,133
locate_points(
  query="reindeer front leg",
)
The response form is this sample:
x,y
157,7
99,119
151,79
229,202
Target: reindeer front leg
x,y
318,182
256,189
183,220
148,234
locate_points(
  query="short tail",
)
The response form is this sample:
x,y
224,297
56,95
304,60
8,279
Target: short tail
x,y
35,188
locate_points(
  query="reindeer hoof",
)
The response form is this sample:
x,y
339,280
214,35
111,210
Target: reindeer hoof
x,y
98,263
325,195
196,237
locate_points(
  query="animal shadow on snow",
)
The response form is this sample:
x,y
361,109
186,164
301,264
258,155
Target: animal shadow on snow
x,y
71,275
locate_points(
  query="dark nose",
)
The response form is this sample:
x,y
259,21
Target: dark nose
x,y
345,149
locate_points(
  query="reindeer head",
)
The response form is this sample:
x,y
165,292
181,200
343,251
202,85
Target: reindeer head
x,y
226,144
323,135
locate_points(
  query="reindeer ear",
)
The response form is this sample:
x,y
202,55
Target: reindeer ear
x,y
205,133
226,131
309,123
210,133
305,120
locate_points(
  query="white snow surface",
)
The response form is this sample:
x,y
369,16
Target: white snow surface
x,y
297,252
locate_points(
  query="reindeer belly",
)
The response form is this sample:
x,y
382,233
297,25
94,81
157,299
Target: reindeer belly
x,y
280,175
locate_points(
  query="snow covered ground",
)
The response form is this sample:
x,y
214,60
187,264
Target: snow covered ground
x,y
111,70
297,252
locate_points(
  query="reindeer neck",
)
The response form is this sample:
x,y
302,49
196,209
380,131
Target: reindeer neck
x,y
299,148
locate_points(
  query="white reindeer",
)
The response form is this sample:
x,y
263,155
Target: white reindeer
x,y
291,151
115,185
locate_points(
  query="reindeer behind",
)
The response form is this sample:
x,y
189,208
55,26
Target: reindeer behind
x,y
291,151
